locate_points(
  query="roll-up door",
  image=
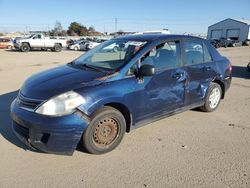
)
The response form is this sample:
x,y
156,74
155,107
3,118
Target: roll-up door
x,y
233,34
216,34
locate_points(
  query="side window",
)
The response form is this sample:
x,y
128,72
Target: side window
x,y
193,52
207,55
163,56
37,37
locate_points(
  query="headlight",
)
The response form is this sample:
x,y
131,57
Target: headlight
x,y
63,104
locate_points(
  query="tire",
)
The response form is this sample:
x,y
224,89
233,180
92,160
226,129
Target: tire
x,y
57,48
213,98
9,47
76,48
25,47
105,131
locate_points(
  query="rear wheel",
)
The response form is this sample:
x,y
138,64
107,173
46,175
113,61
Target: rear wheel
x,y
213,98
105,131
76,48
57,48
25,48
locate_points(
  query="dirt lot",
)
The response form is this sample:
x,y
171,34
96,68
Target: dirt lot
x,y
191,149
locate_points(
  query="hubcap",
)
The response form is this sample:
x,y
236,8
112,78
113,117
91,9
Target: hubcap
x,y
106,131
214,98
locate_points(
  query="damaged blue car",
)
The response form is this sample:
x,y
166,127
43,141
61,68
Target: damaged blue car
x,y
93,100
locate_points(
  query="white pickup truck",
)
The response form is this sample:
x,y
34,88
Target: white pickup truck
x,y
39,41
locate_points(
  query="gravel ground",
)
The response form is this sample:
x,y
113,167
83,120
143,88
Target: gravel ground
x,y
191,149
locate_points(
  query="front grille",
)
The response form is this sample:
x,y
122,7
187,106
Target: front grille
x,y
22,131
28,103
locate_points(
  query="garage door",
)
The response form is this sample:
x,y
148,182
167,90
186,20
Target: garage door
x,y
216,34
233,34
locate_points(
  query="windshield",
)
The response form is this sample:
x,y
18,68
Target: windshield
x,y
31,36
110,55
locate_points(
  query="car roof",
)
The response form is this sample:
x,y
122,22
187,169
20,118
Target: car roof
x,y
153,37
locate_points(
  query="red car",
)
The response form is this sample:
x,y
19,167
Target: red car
x,y
6,43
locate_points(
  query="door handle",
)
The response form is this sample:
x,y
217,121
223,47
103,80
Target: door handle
x,y
177,75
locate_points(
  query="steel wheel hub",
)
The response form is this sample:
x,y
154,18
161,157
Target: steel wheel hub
x,y
214,98
105,132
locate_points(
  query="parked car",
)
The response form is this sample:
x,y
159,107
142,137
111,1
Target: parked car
x,y
92,44
40,41
227,42
215,43
78,45
114,47
71,42
96,98
6,43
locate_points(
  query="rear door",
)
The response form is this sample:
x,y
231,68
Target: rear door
x,y
199,68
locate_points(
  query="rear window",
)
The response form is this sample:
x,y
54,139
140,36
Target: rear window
x,y
4,40
207,55
193,52
196,52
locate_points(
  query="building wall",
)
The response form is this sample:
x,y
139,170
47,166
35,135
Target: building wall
x,y
229,24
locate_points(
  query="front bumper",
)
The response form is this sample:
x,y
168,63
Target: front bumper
x,y
17,45
58,135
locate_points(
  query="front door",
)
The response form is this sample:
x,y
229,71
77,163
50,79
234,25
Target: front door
x,y
163,92
37,41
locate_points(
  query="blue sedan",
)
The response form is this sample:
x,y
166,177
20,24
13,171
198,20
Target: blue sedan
x,y
95,99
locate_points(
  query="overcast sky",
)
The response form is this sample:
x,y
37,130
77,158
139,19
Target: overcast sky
x,y
178,16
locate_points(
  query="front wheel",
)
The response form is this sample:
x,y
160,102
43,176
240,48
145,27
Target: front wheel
x,y
25,48
105,131
213,98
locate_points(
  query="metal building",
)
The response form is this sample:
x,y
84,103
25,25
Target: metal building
x,y
230,28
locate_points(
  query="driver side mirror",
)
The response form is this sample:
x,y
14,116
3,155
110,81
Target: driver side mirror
x,y
146,70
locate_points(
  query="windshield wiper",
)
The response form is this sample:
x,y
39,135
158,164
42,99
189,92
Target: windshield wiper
x,y
92,67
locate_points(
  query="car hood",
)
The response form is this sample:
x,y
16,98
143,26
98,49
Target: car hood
x,y
58,80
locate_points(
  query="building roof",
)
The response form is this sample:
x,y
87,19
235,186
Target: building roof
x,y
237,20
243,21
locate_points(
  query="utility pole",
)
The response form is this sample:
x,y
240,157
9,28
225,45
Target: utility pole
x,y
115,24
